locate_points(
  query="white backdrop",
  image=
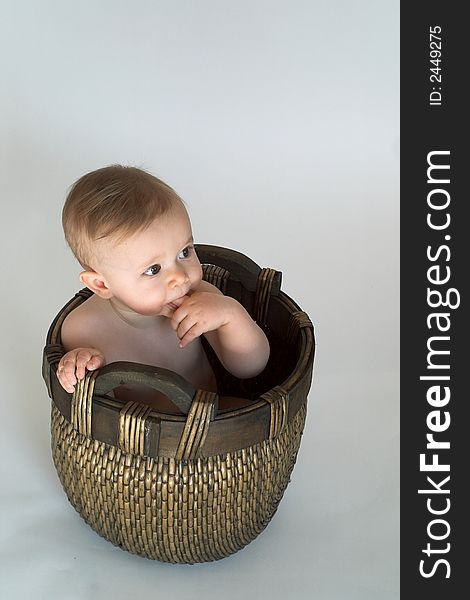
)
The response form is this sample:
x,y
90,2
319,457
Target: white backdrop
x,y
278,123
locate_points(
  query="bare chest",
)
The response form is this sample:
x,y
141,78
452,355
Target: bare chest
x,y
156,345
153,346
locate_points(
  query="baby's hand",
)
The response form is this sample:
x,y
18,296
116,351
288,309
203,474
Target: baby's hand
x,y
199,313
73,364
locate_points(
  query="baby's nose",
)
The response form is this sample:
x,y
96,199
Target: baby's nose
x,y
178,277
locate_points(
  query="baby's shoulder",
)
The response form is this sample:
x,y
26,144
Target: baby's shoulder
x,y
83,326
205,286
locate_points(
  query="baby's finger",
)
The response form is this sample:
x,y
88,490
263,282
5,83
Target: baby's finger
x,y
82,359
95,362
185,326
191,335
70,382
179,315
64,381
60,378
69,371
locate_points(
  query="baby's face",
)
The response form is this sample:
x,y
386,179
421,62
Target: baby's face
x,y
153,269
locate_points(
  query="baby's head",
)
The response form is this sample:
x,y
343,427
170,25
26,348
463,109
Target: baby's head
x,y
114,202
131,233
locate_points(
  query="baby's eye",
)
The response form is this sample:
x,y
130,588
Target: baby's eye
x,y
153,270
186,252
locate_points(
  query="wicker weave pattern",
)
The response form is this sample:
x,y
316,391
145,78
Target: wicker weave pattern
x,y
197,425
186,511
132,420
263,293
278,400
82,404
299,320
218,276
53,353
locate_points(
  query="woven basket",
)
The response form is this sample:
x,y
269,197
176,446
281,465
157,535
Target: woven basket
x,y
201,482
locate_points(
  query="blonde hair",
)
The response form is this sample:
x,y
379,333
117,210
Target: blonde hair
x,y
115,201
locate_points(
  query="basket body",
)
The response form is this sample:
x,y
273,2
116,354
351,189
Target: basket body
x,y
184,511
200,486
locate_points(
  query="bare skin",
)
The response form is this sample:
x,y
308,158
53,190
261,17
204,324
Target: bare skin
x,y
151,306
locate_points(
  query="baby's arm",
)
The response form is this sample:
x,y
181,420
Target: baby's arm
x,y
240,344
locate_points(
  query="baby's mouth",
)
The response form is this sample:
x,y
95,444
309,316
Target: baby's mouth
x,y
176,303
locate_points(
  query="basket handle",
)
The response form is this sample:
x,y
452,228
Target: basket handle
x,y
241,267
176,388
199,406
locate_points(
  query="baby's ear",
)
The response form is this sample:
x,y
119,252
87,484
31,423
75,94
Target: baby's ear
x,y
96,283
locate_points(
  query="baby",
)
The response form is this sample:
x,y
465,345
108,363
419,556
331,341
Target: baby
x,y
132,235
